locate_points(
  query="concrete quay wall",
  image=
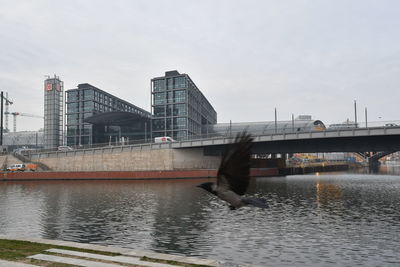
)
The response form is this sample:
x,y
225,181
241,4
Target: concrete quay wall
x,y
136,160
7,160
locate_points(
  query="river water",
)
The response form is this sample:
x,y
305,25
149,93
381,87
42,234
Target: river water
x,y
327,219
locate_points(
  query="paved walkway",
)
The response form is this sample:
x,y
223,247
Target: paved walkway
x,y
93,260
128,256
4,263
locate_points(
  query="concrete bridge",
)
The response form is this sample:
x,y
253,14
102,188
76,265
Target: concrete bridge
x,y
205,152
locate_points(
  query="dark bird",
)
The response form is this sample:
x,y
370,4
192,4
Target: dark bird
x,y
233,174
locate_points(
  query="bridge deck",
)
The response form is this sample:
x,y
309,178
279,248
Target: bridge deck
x,y
327,137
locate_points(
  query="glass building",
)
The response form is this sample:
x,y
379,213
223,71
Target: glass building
x,y
179,108
53,112
94,116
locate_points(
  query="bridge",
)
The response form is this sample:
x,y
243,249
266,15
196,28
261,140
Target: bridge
x,y
384,140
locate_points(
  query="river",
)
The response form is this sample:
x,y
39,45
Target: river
x,y
326,219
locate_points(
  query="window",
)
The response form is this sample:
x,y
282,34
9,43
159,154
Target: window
x,y
180,96
71,141
179,135
72,118
159,111
170,84
71,130
169,97
158,124
86,129
179,82
169,124
72,107
88,94
159,98
169,110
88,106
179,110
158,85
87,115
85,140
179,123
72,96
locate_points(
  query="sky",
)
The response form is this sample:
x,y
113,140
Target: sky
x,y
247,57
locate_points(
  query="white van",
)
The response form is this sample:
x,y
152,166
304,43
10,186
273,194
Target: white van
x,y
64,148
163,139
16,167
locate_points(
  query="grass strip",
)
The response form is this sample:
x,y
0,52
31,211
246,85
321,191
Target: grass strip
x,y
17,250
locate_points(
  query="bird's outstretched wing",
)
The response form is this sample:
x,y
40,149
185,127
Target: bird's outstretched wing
x,y
234,170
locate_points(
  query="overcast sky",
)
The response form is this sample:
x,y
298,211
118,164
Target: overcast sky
x,y
247,57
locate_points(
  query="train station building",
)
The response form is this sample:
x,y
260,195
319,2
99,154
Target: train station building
x,y
94,116
178,110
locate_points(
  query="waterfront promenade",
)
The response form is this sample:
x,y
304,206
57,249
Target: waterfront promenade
x,y
78,254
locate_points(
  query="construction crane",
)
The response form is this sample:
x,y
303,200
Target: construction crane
x,y
15,114
8,102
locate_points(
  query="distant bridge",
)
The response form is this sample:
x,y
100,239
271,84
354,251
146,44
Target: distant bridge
x,y
378,139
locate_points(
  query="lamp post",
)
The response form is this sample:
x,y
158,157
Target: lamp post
x,y
230,128
355,113
1,120
292,122
145,132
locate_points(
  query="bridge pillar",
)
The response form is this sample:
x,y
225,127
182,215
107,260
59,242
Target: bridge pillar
x,y
373,162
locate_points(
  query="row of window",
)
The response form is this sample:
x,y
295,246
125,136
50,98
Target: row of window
x,y
194,127
169,123
76,107
102,102
77,118
78,140
169,97
73,130
169,83
170,110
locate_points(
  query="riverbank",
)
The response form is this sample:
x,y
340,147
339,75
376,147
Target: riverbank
x,y
312,168
165,175
44,252
125,175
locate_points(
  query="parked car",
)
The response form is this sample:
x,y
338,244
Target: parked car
x,y
16,167
64,148
390,125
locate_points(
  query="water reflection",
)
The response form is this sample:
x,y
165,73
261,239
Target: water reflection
x,y
313,220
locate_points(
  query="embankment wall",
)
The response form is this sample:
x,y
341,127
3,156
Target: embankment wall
x,y
7,160
137,160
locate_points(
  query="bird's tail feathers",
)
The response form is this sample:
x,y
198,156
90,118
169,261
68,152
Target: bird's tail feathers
x,y
257,202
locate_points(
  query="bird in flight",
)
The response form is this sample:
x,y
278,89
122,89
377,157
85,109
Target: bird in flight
x,y
233,174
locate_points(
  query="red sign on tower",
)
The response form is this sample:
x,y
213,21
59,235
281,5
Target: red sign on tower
x,y
49,87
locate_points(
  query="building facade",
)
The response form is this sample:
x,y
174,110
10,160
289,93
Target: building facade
x,y
178,107
53,112
88,101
